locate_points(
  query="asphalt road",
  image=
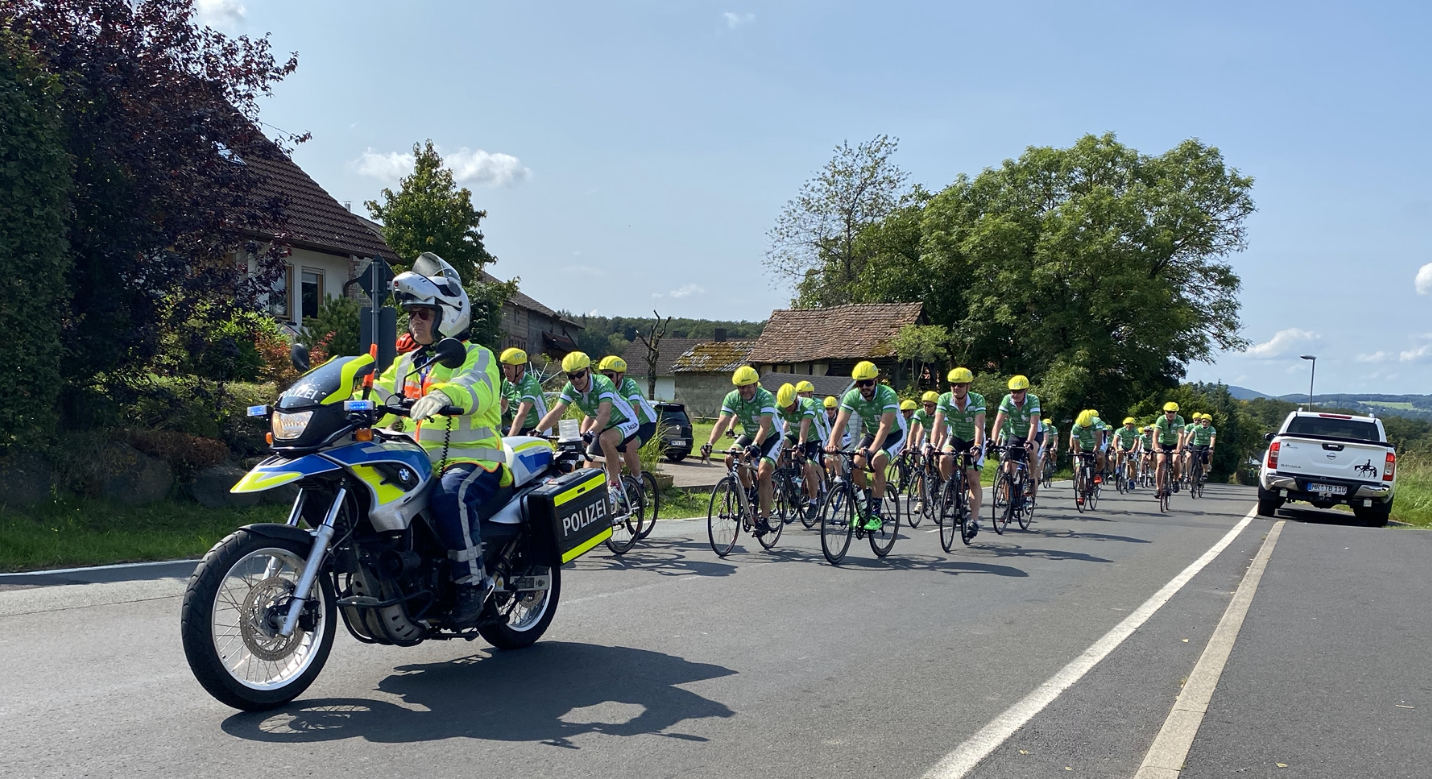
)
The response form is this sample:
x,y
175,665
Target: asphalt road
x,y
672,662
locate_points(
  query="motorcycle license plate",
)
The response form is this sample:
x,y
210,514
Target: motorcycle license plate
x,y
1327,489
532,583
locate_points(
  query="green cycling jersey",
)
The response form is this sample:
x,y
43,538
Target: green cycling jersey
x,y
961,421
884,400
750,413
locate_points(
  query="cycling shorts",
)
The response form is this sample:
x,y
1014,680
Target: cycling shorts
x,y
644,432
957,445
894,442
769,449
1202,451
1020,442
811,449
627,429
1163,448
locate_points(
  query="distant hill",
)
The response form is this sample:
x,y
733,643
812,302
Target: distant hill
x,y
1243,393
1410,406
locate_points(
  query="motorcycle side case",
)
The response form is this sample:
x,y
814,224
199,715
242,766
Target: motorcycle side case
x,y
572,513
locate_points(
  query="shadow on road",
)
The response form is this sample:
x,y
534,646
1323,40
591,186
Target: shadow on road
x,y
666,557
896,562
548,693
1313,516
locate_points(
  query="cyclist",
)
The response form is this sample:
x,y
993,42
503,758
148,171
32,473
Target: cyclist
x,y
1146,448
805,433
882,427
522,396
805,389
1085,438
1168,435
1106,443
1203,439
1050,451
922,422
761,431
614,368
960,426
1126,444
613,422
1020,408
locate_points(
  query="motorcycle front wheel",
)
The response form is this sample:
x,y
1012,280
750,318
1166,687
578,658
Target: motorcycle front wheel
x,y
233,611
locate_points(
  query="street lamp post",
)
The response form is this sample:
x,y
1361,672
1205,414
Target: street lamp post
x,y
1311,376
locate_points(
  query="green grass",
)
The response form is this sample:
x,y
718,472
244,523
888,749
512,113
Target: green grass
x,y
74,532
1400,405
1413,503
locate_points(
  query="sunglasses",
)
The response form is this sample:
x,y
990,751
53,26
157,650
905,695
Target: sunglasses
x,y
575,375
421,314
959,384
866,383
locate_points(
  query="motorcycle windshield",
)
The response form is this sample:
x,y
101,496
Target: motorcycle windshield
x,y
332,382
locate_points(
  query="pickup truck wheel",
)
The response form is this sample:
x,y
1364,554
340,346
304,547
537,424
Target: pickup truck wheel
x,y
1268,502
1375,515
676,457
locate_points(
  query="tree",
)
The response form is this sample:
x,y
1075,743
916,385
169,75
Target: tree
x,y
34,257
922,346
651,339
814,244
487,299
429,213
157,117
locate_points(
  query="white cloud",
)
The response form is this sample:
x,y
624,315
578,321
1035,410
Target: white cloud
x,y
1422,353
1283,342
594,312
734,20
468,166
220,13
486,169
687,291
1378,356
1424,279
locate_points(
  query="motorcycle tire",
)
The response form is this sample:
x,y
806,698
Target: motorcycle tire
x,y
202,622
533,621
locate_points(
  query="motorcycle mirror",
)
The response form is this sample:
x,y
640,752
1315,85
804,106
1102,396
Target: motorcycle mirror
x,y
298,355
450,353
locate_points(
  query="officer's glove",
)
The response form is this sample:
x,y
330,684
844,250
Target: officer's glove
x,y
429,405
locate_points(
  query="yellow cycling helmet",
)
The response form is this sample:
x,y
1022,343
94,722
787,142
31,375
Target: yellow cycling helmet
x,y
1019,383
1128,420
785,396
960,376
514,356
804,386
612,363
1086,417
576,361
930,397
830,402
1170,406
908,405
865,371
744,376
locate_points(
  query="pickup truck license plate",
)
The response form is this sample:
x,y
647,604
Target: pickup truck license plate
x,y
1327,489
679,442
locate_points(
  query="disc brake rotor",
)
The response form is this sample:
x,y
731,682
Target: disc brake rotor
x,y
261,609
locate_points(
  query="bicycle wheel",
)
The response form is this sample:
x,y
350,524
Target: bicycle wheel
x,y
1026,513
934,488
653,502
916,500
723,517
1080,479
629,518
951,507
780,507
837,523
999,507
967,518
883,540
1095,490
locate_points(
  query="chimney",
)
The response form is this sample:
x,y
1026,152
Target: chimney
x,y
348,205
719,335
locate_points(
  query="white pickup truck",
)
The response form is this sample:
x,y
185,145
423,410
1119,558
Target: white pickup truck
x,y
1327,459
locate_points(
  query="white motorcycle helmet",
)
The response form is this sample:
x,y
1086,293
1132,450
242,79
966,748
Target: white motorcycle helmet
x,y
433,283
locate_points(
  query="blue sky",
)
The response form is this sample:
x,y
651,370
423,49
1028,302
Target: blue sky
x,y
633,155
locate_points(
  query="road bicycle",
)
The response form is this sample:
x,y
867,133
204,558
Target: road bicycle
x,y
1086,490
788,483
1046,477
900,470
1165,475
845,509
734,507
1124,477
1195,476
631,521
954,503
1146,471
1011,487
923,491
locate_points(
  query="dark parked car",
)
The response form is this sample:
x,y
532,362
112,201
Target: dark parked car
x,y
678,433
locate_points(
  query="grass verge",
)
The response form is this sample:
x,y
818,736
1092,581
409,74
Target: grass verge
x,y
1413,503
74,531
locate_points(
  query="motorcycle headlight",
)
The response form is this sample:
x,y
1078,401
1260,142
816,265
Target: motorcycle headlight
x,y
290,426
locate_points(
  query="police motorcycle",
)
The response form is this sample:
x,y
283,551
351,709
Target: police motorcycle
x,y
261,610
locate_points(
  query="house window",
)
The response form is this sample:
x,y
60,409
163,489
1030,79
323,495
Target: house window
x,y
311,294
279,305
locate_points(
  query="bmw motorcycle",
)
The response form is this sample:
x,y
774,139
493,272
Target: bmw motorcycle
x,y
261,610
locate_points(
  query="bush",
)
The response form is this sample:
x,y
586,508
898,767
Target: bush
x,y
336,330
186,454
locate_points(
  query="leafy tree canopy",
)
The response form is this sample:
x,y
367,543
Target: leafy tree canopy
x,y
429,213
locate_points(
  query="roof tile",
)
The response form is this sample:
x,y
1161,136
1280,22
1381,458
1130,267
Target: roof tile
x,y
839,333
315,219
714,357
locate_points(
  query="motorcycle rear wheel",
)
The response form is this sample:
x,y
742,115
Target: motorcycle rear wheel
x,y
234,602
527,619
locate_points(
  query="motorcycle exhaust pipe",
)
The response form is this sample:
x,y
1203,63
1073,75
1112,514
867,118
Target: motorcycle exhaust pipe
x,y
394,563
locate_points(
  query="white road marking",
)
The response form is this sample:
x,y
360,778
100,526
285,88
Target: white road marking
x,y
1165,757
49,572
967,755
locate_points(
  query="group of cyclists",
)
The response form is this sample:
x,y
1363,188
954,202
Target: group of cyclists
x,y
869,421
